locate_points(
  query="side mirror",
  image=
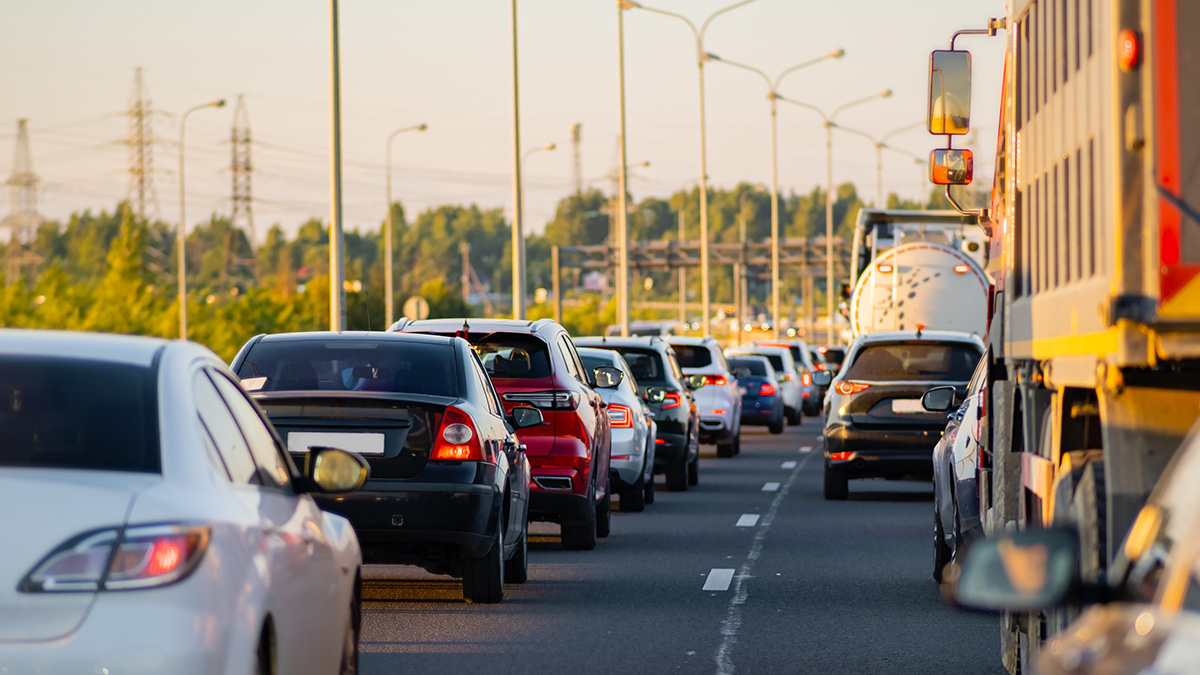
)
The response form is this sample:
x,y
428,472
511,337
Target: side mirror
x,y
334,471
694,382
949,109
607,377
655,395
822,378
951,167
1022,571
938,399
524,416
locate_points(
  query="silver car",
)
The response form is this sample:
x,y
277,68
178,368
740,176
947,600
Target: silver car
x,y
631,471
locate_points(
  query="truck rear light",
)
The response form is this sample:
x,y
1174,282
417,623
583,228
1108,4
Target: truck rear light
x,y
806,378
962,269
718,380
115,559
766,389
457,440
884,268
546,400
620,416
671,400
848,387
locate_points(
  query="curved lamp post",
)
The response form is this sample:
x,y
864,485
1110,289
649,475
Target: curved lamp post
x,y
181,235
829,125
881,143
388,285
772,89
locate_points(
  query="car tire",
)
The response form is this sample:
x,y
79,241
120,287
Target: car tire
x,y
648,490
581,534
677,480
794,416
516,568
837,486
604,517
483,578
725,449
264,653
633,500
776,426
737,442
349,662
941,551
693,471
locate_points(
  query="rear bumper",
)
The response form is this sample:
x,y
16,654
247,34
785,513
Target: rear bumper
x,y
761,411
557,507
714,429
880,452
625,472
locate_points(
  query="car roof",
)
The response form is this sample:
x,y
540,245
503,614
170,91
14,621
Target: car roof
x,y
473,325
706,341
597,353
647,342
738,350
327,336
128,349
928,335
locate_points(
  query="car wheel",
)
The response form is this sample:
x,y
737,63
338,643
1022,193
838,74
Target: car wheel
x,y
483,578
725,449
648,490
516,568
677,477
941,551
794,416
581,534
604,516
633,500
737,442
836,485
776,426
264,653
349,664
693,471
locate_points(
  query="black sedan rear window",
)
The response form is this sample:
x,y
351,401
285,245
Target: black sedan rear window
x,y
755,366
953,362
391,366
692,356
646,366
62,413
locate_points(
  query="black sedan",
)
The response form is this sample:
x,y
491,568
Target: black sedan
x,y
449,485
762,402
875,423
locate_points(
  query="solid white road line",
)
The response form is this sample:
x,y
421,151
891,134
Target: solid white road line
x,y
806,448
748,520
770,487
790,464
733,619
718,579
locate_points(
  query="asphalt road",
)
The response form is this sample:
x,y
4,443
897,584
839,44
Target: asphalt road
x,y
797,585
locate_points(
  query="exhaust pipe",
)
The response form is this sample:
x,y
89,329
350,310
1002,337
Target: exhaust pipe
x,y
559,483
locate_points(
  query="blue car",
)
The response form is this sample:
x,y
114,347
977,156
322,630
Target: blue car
x,y
762,402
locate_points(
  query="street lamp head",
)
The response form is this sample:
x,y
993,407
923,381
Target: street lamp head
x,y
711,56
836,54
219,103
628,4
552,146
422,126
886,93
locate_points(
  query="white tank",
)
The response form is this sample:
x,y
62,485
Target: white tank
x,y
921,283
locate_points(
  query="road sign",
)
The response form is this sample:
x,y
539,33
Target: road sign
x,y
416,308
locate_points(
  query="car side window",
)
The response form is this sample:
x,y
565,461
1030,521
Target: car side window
x,y
574,366
673,364
218,423
490,401
273,467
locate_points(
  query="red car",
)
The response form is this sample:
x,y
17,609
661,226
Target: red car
x,y
535,363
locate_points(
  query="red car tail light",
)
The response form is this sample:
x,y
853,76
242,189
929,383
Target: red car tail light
x,y
120,559
671,400
766,389
457,439
715,379
806,378
819,366
620,416
840,455
660,441
847,388
719,411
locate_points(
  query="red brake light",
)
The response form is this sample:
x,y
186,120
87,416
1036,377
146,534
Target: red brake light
x,y
820,366
457,439
806,378
620,416
660,441
671,400
840,455
715,379
766,389
847,388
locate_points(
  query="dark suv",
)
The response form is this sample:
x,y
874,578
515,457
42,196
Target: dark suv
x,y
535,363
668,394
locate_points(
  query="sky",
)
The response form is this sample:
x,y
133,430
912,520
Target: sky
x,y
68,67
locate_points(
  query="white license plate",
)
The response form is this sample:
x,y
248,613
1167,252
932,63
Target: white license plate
x,y
907,405
364,444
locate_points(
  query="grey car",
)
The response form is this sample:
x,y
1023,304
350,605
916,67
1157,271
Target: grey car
x,y
631,466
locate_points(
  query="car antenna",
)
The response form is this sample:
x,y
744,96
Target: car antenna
x,y
367,297
465,331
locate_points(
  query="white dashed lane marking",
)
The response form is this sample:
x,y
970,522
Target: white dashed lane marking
x,y
806,448
790,464
748,520
770,487
718,579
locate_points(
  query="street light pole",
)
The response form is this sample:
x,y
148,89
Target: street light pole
x,y
337,262
518,234
623,304
772,89
881,143
181,235
829,125
701,57
388,258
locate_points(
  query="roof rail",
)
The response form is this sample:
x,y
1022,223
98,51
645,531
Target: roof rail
x,y
399,325
537,325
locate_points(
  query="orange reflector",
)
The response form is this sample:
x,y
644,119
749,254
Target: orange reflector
x,y
840,455
962,269
1129,50
452,452
884,268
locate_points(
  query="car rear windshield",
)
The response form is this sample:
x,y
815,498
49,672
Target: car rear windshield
x,y
513,355
390,366
62,413
944,361
646,366
834,355
755,366
776,361
692,356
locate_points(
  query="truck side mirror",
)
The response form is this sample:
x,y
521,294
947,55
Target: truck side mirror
x,y
949,109
951,167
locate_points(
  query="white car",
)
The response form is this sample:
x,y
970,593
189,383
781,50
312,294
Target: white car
x,y
154,523
790,384
633,431
719,400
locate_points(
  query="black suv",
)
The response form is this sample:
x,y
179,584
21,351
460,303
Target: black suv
x,y
668,394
